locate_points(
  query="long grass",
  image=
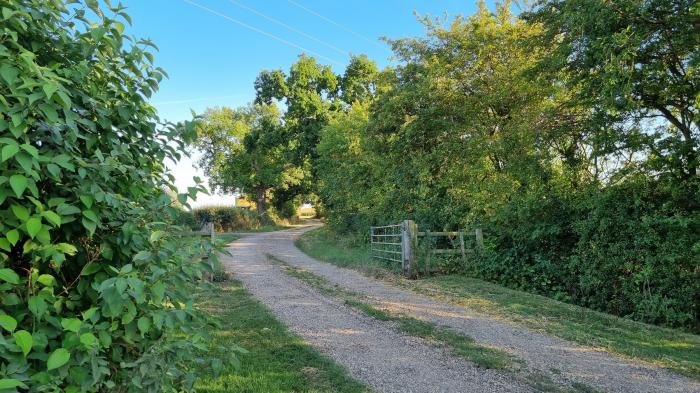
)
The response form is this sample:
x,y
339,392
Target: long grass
x,y
277,360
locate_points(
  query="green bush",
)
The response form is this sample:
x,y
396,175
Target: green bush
x,y
227,218
186,218
96,286
628,249
638,255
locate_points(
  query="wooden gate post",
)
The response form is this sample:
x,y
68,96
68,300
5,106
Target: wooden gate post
x,y
409,242
461,248
479,235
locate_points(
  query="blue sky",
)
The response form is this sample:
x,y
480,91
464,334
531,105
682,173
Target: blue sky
x,y
214,49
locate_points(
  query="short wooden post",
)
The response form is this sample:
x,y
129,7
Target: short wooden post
x,y
479,238
428,253
409,239
461,248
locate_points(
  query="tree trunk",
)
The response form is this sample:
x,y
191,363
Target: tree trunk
x,y
260,201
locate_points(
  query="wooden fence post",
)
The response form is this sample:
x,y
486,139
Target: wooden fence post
x,y
461,248
409,241
479,238
428,252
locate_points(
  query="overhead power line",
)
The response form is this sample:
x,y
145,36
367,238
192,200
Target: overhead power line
x,y
331,21
187,101
259,31
288,27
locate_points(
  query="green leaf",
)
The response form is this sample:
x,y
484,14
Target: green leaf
x,y
8,152
142,256
9,275
20,212
87,200
50,112
89,225
90,215
25,161
33,226
71,324
90,269
9,73
37,305
47,280
64,161
31,150
18,184
157,235
49,89
24,340
67,248
12,236
52,217
7,384
88,339
54,170
67,210
8,323
87,314
144,325
158,290
57,359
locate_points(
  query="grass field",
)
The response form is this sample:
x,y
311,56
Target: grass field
x,y
277,360
664,347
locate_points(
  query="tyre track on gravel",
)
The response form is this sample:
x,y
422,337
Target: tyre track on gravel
x,y
372,351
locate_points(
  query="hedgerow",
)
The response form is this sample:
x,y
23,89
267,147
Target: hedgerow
x,y
575,149
227,218
95,282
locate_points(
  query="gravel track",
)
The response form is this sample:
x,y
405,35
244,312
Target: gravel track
x,y
390,361
372,351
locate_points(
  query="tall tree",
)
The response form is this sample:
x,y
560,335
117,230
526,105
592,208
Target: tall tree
x,y
243,150
635,64
311,93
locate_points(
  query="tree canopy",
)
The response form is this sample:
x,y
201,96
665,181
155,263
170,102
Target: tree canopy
x,y
568,132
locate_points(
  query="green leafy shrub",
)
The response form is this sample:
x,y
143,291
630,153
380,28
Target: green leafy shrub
x,y
95,282
629,250
638,253
187,219
228,218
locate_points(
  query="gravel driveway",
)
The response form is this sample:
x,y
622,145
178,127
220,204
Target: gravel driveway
x,y
390,361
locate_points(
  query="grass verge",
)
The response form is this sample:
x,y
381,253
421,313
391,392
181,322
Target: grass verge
x,y
461,344
669,348
277,360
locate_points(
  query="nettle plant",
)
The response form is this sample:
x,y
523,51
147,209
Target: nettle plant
x,y
96,285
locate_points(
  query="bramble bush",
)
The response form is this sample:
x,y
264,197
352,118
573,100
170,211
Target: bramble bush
x,y
95,282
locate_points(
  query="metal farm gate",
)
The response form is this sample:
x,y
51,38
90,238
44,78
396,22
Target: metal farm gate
x,y
398,244
393,243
